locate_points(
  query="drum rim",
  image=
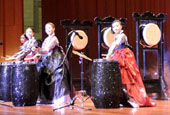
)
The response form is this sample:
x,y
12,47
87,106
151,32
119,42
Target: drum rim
x,y
145,37
104,60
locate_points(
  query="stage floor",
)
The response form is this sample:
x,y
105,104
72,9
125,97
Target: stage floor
x,y
162,108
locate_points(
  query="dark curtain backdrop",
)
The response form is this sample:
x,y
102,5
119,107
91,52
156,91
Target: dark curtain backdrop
x,y
57,10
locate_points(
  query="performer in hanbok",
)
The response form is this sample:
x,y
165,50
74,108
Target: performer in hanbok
x,y
54,75
25,49
132,84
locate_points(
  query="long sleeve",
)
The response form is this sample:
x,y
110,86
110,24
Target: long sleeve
x,y
48,44
119,39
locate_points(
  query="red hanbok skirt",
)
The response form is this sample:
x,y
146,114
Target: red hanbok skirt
x,y
131,78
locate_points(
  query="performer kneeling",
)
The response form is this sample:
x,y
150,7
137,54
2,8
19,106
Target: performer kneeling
x,y
54,76
133,87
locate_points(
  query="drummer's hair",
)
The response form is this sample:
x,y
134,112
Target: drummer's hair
x,y
30,28
52,24
25,36
122,21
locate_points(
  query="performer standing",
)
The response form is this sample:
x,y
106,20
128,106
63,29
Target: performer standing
x,y
54,76
133,86
26,47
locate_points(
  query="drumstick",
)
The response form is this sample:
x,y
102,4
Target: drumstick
x,y
79,54
8,56
87,58
27,59
104,54
3,57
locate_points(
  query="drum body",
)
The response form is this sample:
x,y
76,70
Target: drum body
x,y
106,83
5,81
24,85
150,34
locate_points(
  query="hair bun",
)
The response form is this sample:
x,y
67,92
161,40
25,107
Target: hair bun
x,y
123,21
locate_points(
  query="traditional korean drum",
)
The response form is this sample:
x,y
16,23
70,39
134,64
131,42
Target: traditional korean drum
x,y
6,80
79,39
108,36
105,83
150,33
24,84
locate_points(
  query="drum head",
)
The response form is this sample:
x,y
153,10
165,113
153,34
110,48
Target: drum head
x,y
151,34
77,42
108,36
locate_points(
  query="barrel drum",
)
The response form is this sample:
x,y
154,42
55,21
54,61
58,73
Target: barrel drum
x,y
24,85
105,83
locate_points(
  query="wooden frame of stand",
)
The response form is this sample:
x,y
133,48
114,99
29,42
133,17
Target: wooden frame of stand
x,y
69,25
152,85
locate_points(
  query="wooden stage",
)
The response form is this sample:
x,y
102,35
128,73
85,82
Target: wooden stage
x,y
162,108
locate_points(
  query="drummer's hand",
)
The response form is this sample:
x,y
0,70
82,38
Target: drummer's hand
x,y
34,49
38,56
18,58
108,56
